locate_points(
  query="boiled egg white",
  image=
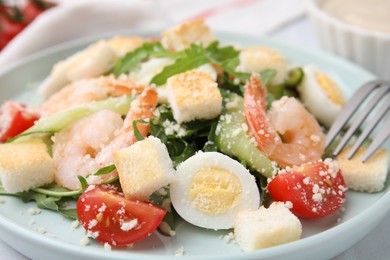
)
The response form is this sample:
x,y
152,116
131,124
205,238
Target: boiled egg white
x,y
321,95
210,188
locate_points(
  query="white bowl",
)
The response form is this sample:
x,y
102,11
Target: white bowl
x,y
370,49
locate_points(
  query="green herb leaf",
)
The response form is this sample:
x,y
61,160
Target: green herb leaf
x,y
221,54
136,131
133,59
195,56
69,213
267,75
57,190
230,66
83,182
105,170
160,198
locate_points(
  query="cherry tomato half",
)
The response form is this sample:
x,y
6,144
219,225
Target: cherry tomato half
x,y
33,8
14,119
315,189
111,218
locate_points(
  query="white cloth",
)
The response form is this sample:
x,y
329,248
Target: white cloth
x,y
73,19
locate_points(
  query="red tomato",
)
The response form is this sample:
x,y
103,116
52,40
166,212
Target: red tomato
x,y
10,27
14,119
3,40
111,218
315,189
34,8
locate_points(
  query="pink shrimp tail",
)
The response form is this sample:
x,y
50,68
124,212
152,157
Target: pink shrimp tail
x,y
255,112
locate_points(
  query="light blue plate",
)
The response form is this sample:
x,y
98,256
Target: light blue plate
x,y
322,238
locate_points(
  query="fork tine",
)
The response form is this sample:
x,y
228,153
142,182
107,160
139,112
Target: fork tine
x,y
361,117
378,140
349,109
368,129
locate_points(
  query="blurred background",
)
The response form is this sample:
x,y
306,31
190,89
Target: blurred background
x,y
357,30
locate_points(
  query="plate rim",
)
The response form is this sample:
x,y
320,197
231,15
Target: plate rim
x,y
5,222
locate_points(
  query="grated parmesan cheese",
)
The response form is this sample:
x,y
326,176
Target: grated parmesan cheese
x,y
129,225
84,241
107,247
75,224
34,211
180,251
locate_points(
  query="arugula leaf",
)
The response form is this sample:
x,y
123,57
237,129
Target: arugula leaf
x,y
230,67
105,170
195,57
68,213
136,131
56,190
43,201
210,145
83,182
133,59
267,75
160,198
221,54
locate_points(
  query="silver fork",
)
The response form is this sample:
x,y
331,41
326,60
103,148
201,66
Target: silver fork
x,y
371,93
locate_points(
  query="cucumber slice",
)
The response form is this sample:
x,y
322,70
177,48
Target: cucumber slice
x,y
58,121
232,138
295,77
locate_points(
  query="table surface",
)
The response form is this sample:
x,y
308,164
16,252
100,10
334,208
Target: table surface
x,y
376,244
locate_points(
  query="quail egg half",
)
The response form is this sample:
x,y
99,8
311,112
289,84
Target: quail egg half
x,y
211,188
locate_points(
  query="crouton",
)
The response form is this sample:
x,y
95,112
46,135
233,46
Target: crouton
x,y
183,35
90,62
367,177
124,44
266,227
25,165
143,168
256,59
194,95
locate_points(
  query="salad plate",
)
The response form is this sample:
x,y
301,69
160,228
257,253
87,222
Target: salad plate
x,y
47,235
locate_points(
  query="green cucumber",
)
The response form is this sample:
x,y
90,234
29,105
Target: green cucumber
x,y
295,77
232,139
60,120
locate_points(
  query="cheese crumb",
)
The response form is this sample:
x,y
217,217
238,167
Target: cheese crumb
x,y
180,251
126,226
34,211
2,201
228,238
84,241
41,230
75,224
107,247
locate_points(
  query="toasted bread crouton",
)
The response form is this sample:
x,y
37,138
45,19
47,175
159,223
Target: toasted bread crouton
x,y
124,44
266,227
193,95
369,176
143,168
256,59
25,165
183,35
91,62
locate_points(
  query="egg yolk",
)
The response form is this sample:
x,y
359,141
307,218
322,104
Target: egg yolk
x,y
214,190
331,89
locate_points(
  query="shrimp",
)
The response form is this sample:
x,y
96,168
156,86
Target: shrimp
x,y
87,145
75,147
87,90
142,108
288,134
